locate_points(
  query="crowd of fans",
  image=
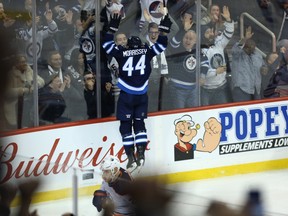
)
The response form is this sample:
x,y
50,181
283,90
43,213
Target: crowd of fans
x,y
70,87
66,79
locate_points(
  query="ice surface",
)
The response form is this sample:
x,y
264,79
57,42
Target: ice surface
x,y
193,198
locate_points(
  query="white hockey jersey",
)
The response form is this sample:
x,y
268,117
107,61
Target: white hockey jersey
x,y
153,7
216,58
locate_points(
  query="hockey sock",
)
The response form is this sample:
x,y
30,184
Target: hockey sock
x,y
128,143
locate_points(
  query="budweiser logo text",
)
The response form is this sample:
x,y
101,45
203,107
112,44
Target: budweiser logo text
x,y
54,162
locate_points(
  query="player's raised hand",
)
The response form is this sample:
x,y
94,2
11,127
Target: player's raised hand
x,y
114,22
165,24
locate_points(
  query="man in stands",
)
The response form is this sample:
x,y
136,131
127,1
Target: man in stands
x,y
278,84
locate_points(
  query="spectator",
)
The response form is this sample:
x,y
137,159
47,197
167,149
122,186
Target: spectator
x,y
284,27
109,8
283,47
113,194
74,43
88,47
28,5
115,6
26,191
149,34
24,35
68,90
188,19
54,67
159,69
134,64
51,102
267,10
272,63
65,17
178,7
182,71
87,42
132,13
6,21
214,19
246,66
90,95
150,196
18,103
72,33
154,8
214,89
120,39
76,103
277,86
269,15
87,5
76,66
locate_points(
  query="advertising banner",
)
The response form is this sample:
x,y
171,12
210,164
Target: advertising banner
x,y
178,142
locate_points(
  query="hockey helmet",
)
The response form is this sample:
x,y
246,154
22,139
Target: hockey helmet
x,y
134,42
110,168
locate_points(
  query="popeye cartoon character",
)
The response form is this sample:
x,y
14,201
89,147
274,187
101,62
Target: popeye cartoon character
x,y
186,132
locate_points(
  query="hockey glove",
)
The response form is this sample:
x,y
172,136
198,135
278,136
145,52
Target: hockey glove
x,y
99,199
165,24
114,22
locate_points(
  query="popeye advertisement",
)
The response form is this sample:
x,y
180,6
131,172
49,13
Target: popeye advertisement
x,y
186,131
231,131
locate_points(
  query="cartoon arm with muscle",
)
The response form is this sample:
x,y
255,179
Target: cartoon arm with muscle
x,y
211,137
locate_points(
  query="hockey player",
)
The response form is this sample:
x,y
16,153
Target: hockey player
x,y
134,71
113,193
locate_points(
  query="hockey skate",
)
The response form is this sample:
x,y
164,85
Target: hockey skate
x,y
140,157
132,163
